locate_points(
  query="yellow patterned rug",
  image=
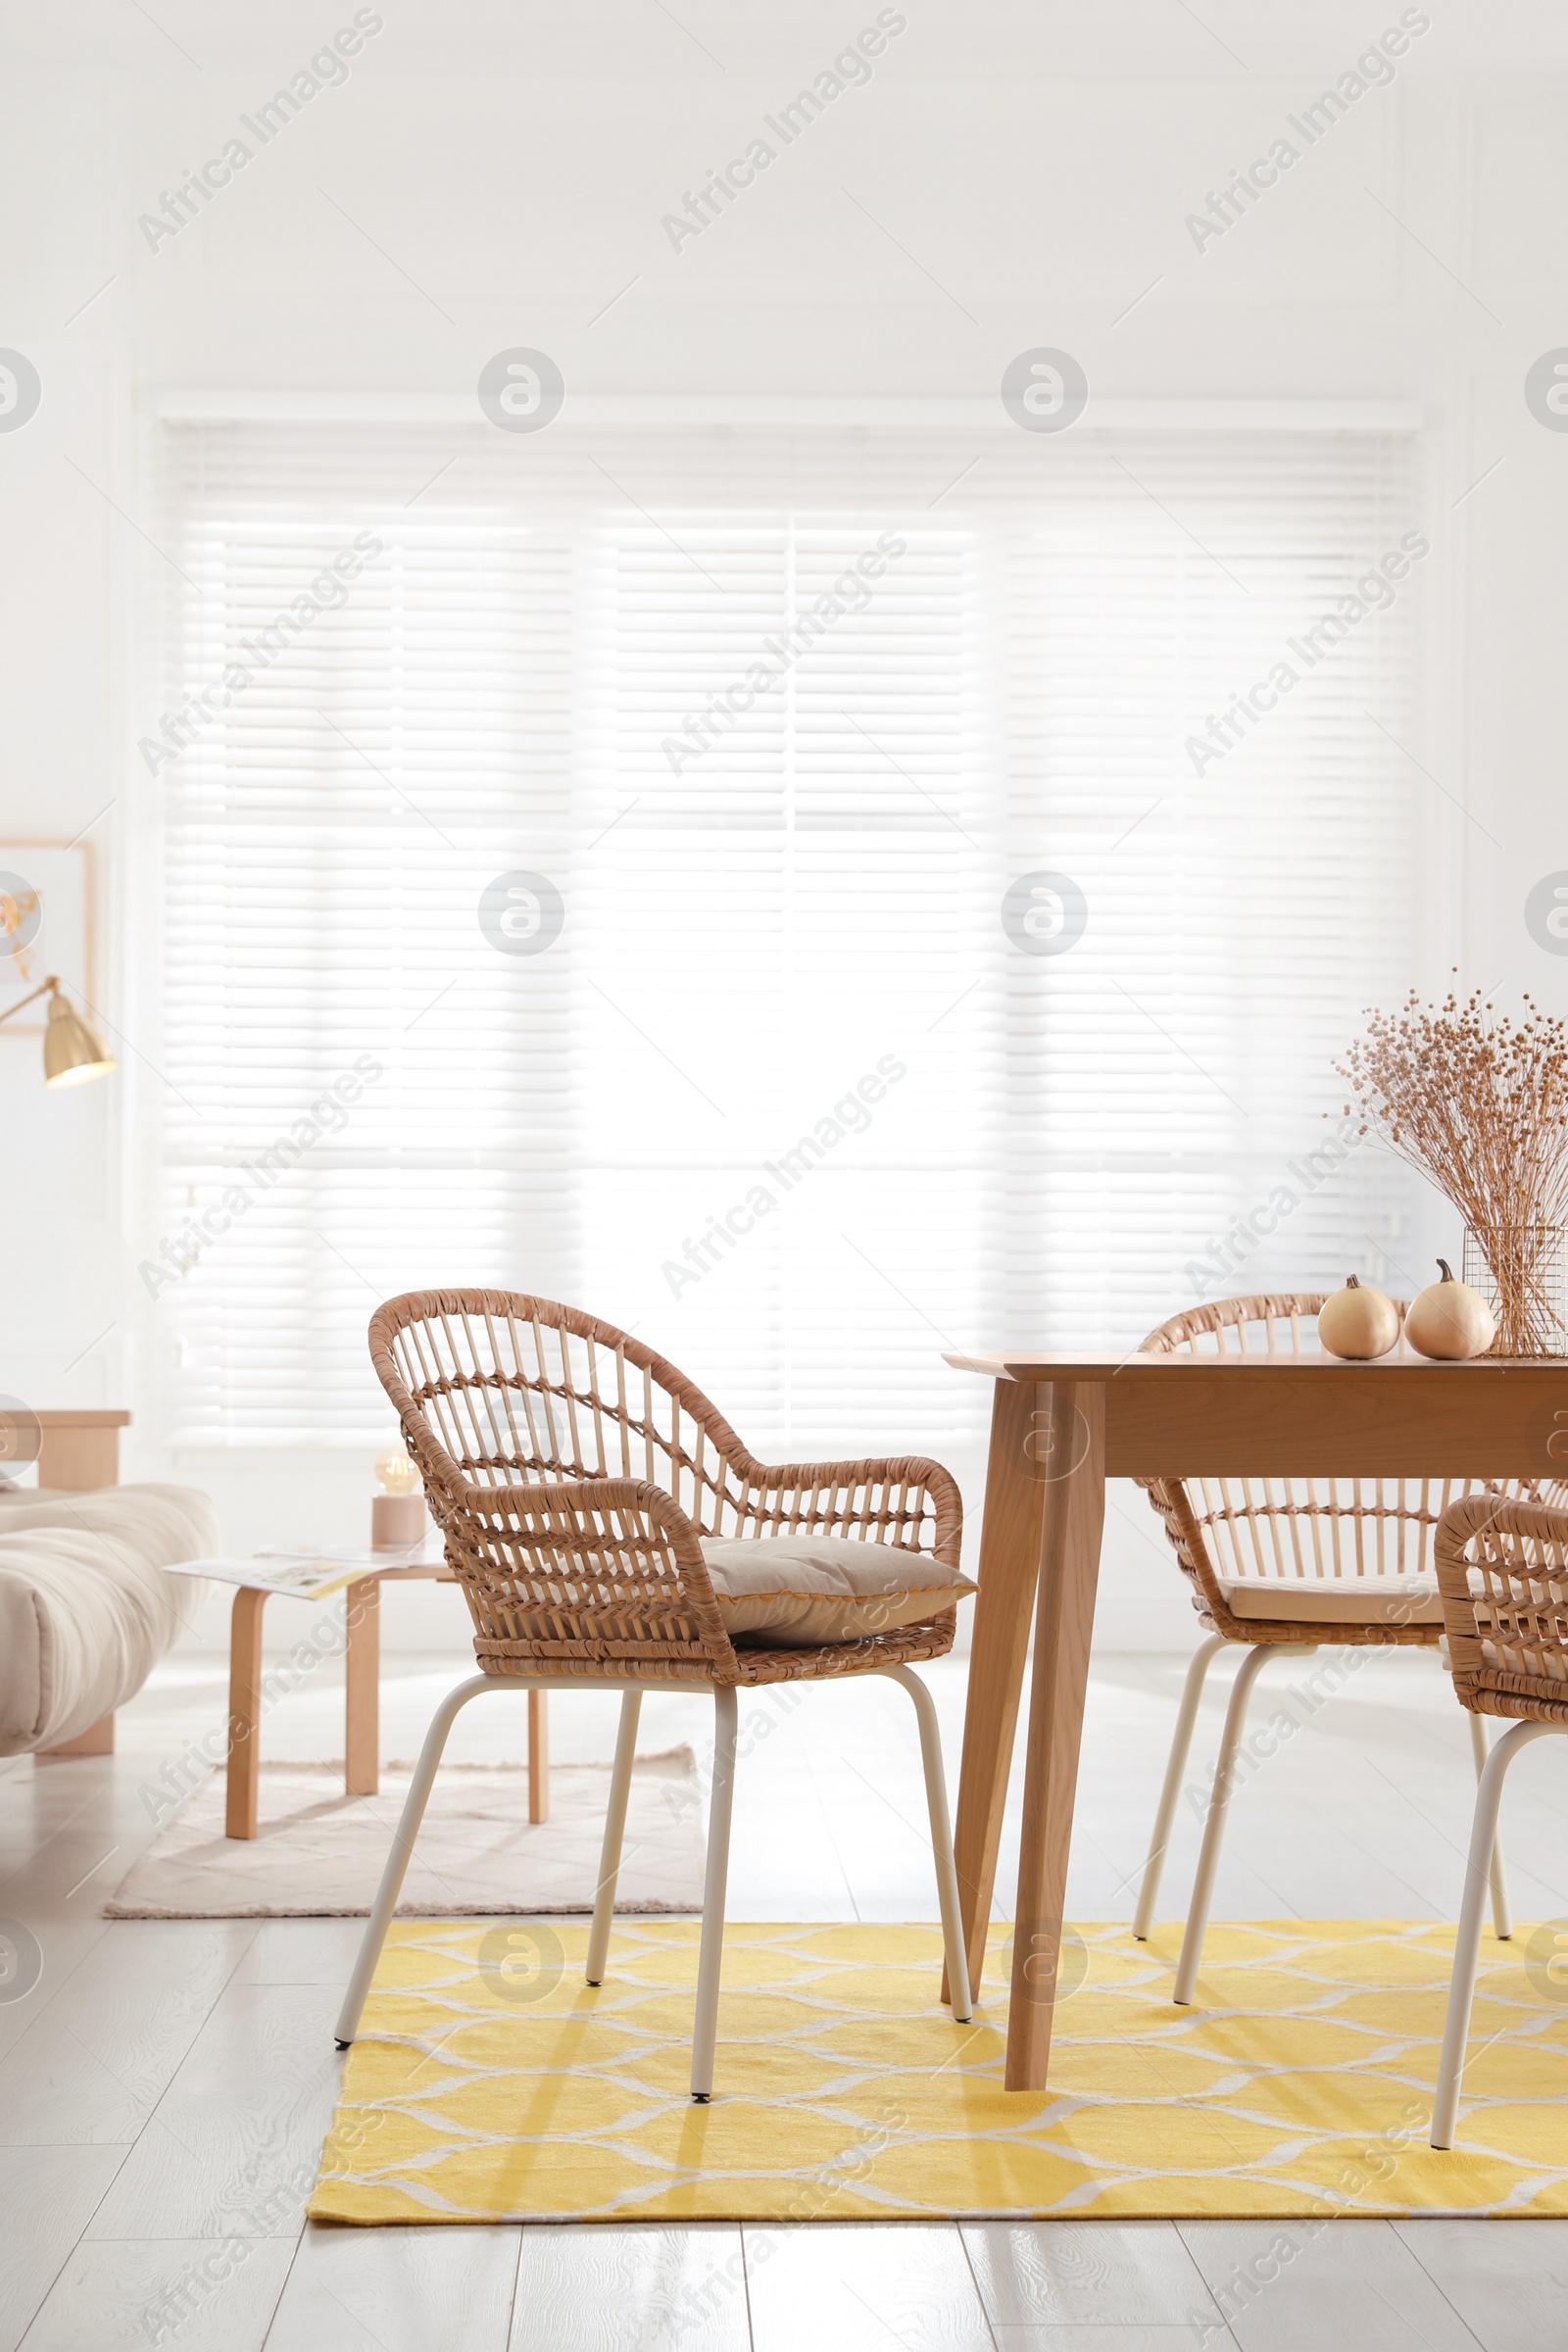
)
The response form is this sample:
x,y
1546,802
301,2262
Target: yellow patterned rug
x,y
491,2083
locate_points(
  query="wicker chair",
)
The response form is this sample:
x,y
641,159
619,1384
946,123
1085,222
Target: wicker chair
x,y
1283,1565
574,1475
1502,1568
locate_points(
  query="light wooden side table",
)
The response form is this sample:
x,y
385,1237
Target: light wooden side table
x,y
362,1697
79,1449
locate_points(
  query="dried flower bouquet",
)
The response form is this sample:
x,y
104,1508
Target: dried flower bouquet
x,y
1480,1108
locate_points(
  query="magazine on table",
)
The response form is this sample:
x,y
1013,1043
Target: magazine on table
x,y
312,1574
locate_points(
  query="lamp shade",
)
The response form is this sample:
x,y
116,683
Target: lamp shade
x,y
72,1051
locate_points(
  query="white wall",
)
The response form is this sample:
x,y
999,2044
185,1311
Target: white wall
x,y
1009,177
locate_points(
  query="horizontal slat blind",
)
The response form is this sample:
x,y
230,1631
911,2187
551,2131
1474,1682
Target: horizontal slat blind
x,y
783,1096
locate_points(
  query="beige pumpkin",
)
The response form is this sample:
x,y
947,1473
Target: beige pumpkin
x,y
1449,1320
1357,1322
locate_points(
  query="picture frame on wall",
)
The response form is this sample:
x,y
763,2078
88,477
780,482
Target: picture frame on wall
x,y
45,925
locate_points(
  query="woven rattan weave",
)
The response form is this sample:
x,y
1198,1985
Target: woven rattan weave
x,y
1502,1569
572,1473
1282,1530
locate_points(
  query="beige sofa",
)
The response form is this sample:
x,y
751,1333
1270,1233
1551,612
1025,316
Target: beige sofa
x,y
86,1607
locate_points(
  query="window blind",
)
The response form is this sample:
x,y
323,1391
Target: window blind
x,y
782,717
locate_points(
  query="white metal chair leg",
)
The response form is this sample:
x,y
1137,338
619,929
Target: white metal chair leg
x,y
615,1833
397,1861
1502,1913
1218,1807
1467,1943
1176,1765
710,1958
936,1798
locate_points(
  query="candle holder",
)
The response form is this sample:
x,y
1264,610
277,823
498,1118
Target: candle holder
x,y
396,1513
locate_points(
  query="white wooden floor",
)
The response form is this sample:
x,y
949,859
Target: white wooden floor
x,y
164,2088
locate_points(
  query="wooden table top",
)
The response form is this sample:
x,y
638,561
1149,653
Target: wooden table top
x,y
1044,1363
84,1417
1402,1416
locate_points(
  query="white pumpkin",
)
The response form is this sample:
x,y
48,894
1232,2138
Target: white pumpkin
x,y
1357,1323
1449,1320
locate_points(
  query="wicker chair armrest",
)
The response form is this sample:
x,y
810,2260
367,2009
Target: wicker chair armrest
x,y
475,1491
609,1526
577,1503
893,1491
1509,1531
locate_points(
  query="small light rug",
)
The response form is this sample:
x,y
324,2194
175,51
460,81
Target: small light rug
x,y
320,1854
492,2084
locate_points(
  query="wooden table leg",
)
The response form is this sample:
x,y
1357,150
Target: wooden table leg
x,y
538,1755
1009,1565
1069,1571
361,1690
244,1710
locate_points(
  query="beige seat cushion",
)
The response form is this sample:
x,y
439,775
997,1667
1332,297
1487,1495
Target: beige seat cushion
x,y
1335,1599
797,1592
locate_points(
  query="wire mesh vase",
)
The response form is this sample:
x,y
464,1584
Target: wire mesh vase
x,y
1521,1273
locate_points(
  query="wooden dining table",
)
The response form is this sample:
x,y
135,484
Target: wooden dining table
x,y
1062,1424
